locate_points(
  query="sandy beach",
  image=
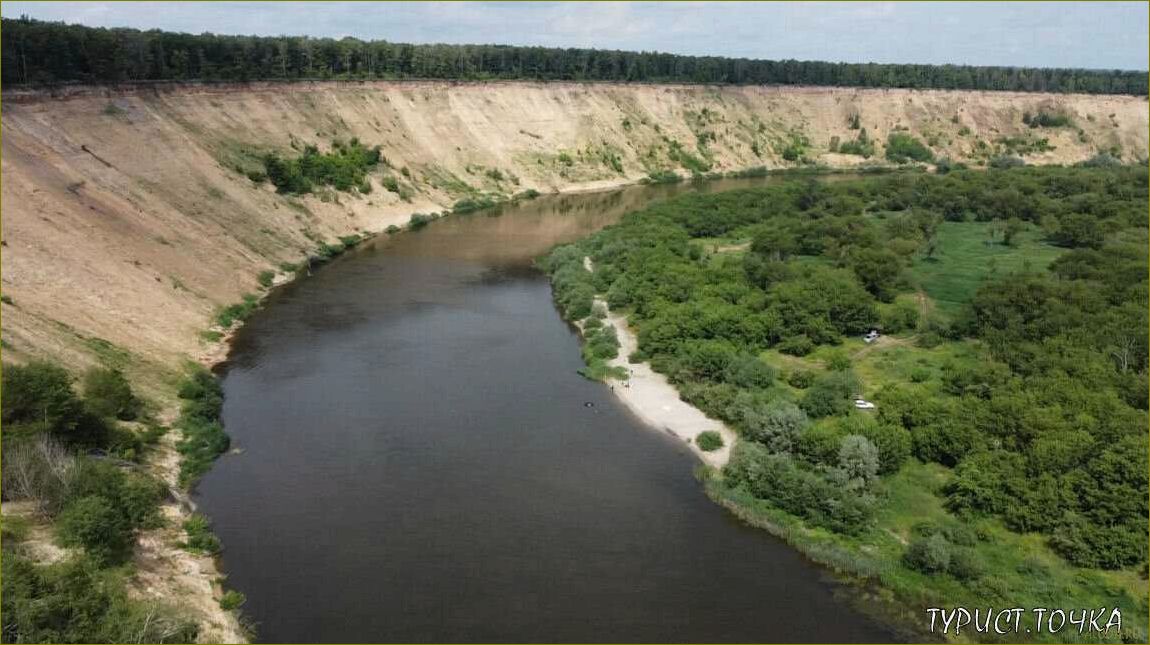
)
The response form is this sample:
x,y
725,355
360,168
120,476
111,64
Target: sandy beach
x,y
648,394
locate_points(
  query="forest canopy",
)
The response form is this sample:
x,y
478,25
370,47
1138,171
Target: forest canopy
x,y
36,52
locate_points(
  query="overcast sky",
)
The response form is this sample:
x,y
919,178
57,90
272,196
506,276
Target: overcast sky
x,y
1039,34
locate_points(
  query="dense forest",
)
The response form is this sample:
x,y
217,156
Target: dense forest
x,y
1025,406
36,52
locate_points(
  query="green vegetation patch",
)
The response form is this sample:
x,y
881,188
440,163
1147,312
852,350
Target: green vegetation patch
x,y
343,168
1009,377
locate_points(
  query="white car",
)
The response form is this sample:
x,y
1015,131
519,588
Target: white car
x,y
863,404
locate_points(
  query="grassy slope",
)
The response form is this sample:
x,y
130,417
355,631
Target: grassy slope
x,y
1021,570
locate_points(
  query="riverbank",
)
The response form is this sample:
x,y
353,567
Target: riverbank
x,y
653,399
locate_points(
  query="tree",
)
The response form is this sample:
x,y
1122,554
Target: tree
x,y
39,395
859,460
1010,231
108,394
776,424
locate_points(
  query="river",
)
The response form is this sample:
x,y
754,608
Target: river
x,y
417,461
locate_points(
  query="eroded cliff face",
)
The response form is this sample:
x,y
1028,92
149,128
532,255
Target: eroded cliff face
x,y
128,220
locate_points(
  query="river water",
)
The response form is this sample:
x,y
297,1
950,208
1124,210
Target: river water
x,y
418,463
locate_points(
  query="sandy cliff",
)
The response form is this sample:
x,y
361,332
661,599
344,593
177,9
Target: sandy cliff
x,y
127,222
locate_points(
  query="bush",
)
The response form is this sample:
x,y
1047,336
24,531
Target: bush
x,y
779,480
799,345
39,395
107,393
801,379
204,438
1007,161
776,424
709,440
418,221
903,148
200,537
231,600
266,278
74,601
96,525
928,555
344,168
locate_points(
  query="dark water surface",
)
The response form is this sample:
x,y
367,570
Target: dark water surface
x,y
418,464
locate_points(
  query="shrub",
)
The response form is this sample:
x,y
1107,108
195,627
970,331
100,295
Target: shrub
x,y
231,600
470,204
344,168
107,393
859,461
204,438
266,278
776,424
200,537
1002,162
801,379
799,345
418,221
39,394
928,555
709,441
96,525
39,469
903,148
74,601
838,361
797,490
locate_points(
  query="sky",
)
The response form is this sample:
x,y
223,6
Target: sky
x,y
1099,35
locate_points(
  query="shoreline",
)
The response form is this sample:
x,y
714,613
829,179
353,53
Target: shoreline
x,y
656,402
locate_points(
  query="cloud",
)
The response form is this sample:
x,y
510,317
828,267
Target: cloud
x,y
1040,34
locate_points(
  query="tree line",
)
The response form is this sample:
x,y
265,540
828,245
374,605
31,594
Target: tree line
x,y
36,52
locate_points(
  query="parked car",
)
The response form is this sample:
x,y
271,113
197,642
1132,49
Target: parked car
x,y
863,404
871,336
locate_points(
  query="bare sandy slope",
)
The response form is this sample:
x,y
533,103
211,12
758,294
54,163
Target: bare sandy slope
x,y
125,226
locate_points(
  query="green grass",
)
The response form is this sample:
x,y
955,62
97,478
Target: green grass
x,y
967,255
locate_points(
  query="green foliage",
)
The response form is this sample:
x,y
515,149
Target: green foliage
x,y
709,441
928,555
662,177
200,537
344,168
232,600
903,148
777,478
266,278
1044,119
39,395
237,312
861,145
204,438
94,524
75,601
471,204
103,508
1024,385
107,393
